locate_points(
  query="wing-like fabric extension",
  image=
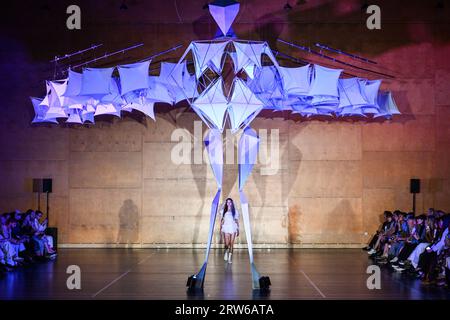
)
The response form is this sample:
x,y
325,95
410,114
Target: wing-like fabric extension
x,y
212,105
244,105
387,105
133,76
40,111
214,146
55,109
247,152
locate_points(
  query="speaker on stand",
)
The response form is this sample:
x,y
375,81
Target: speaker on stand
x,y
46,186
414,188
37,188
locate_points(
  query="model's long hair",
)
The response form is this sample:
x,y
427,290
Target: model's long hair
x,y
225,208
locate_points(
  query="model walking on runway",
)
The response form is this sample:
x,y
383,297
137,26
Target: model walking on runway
x,y
229,227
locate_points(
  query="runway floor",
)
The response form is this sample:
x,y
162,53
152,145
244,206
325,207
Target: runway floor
x,y
162,274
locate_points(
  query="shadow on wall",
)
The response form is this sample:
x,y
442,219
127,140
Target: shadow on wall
x,y
343,222
128,223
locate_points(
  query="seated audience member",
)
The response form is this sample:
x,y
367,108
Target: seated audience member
x,y
417,236
441,272
16,243
429,258
43,243
434,229
387,229
7,250
403,229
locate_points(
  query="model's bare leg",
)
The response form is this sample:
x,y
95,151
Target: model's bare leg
x,y
232,237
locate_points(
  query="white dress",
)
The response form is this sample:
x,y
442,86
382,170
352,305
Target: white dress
x,y
229,223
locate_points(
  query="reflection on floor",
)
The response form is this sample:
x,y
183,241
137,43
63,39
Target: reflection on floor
x,y
162,274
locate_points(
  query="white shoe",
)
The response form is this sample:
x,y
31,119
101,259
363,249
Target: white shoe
x,y
371,251
225,256
229,258
394,260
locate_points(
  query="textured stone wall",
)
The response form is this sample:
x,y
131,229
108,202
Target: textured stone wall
x,y
115,183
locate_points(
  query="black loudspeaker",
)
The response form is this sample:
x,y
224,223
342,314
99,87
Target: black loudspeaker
x,y
54,233
264,283
415,186
37,185
47,185
191,282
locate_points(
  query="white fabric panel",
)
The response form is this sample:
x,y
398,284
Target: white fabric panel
x,y
172,73
40,111
190,87
87,117
55,112
51,98
269,53
325,81
74,117
114,97
147,109
73,84
351,111
370,90
250,70
350,93
224,15
296,81
107,108
212,105
244,105
392,106
248,53
133,76
96,81
126,108
386,104
45,102
158,92
73,89
266,78
59,89
208,55
89,108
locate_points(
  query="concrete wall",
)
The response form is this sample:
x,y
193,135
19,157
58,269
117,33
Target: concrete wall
x,y
114,182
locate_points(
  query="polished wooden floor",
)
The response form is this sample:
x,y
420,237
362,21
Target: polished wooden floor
x,y
162,274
